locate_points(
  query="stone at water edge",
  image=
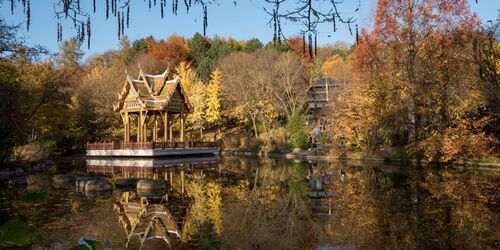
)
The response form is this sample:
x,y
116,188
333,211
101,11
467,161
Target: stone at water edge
x,y
97,185
18,181
127,183
148,184
4,175
81,181
62,178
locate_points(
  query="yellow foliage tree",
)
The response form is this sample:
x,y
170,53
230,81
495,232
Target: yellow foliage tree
x,y
187,76
336,68
213,93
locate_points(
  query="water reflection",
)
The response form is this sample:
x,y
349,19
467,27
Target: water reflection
x,y
250,203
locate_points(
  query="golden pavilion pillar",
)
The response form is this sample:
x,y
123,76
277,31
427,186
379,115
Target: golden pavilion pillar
x,y
171,130
127,127
139,130
165,126
155,132
182,124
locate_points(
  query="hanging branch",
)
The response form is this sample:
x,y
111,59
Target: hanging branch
x,y
28,16
123,23
205,19
309,13
88,33
128,16
174,6
357,34
315,45
161,9
107,9
119,26
74,11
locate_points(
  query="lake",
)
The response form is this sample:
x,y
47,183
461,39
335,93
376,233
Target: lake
x,y
252,203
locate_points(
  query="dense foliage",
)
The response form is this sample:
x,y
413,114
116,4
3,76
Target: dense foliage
x,y
423,83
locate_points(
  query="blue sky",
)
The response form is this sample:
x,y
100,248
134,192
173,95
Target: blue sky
x,y
244,21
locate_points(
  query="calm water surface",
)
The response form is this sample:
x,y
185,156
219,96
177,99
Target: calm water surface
x,y
248,203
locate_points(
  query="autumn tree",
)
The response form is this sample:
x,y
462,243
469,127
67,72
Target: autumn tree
x,y
11,119
263,86
172,51
288,84
187,76
213,110
416,65
244,88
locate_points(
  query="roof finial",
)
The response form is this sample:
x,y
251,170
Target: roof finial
x,y
126,72
139,66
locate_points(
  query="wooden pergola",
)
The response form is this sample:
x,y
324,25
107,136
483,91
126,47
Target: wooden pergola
x,y
151,100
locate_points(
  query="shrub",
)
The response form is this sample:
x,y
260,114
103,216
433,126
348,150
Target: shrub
x,y
33,152
251,144
296,124
275,140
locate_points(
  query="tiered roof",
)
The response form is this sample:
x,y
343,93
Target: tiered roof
x,y
146,221
152,92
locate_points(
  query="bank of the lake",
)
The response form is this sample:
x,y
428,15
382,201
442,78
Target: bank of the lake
x,y
305,155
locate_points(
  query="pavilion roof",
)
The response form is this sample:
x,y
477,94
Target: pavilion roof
x,y
153,92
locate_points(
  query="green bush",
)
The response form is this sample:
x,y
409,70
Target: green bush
x,y
296,126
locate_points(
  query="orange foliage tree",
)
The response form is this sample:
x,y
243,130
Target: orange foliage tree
x,y
417,66
172,51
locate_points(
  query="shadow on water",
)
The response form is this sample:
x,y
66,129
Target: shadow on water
x,y
250,203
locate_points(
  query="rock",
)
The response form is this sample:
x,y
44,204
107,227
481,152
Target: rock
x,y
127,183
147,184
62,179
37,182
18,171
4,175
81,181
97,185
37,167
18,181
98,194
151,193
47,163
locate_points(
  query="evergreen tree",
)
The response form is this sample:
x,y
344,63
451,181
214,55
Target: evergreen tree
x,y
138,47
252,44
70,53
198,47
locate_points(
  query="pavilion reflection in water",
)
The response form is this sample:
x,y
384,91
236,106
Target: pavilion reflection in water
x,y
146,222
154,168
153,219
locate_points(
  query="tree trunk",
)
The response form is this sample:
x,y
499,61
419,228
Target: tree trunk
x,y
255,126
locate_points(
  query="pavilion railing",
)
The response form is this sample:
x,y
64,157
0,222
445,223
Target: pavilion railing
x,y
151,145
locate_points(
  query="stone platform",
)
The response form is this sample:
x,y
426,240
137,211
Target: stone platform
x,y
152,149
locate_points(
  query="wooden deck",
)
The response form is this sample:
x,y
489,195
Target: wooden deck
x,y
152,149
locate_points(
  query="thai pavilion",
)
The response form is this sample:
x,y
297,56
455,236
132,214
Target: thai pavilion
x,y
152,99
156,105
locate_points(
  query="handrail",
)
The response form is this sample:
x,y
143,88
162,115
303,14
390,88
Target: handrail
x,y
151,145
